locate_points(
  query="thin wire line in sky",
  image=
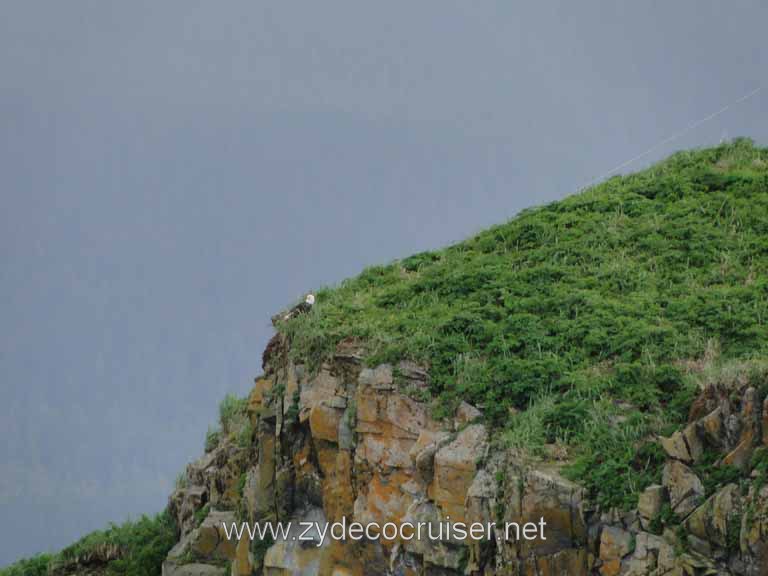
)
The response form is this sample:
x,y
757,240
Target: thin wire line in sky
x,y
674,136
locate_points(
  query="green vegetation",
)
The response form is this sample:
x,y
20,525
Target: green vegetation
x,y
241,505
144,545
714,474
201,514
732,533
665,518
245,434
617,460
212,438
181,480
233,422
232,411
681,541
37,566
759,466
259,549
573,322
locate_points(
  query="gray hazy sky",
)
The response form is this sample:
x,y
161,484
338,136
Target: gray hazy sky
x,y
173,173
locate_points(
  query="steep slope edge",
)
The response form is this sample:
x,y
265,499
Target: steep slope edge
x,y
596,364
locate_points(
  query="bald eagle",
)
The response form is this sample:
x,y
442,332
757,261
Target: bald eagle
x,y
301,308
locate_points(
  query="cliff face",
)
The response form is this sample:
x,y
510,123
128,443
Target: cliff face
x,y
354,442
596,364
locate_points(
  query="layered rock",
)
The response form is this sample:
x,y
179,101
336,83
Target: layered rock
x,y
353,443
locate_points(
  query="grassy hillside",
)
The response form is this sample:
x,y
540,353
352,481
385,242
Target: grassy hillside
x,y
580,314
581,328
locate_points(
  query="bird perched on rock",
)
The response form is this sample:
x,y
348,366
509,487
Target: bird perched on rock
x,y
301,308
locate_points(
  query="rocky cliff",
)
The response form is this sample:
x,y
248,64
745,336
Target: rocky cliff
x,y
596,365
354,441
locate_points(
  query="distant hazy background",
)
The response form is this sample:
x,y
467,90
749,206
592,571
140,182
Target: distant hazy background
x,y
172,173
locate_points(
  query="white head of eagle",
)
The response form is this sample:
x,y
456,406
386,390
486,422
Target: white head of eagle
x,y
310,299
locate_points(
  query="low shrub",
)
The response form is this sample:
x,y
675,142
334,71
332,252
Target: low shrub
x,y
212,438
144,543
232,410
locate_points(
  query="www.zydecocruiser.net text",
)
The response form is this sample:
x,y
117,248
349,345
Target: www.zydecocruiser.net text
x,y
320,532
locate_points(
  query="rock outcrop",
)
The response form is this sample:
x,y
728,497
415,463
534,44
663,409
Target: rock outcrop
x,y
349,443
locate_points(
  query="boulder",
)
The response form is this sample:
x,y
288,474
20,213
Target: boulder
x,y
644,558
383,411
259,490
183,504
258,398
712,520
385,498
207,543
436,552
751,416
466,414
649,504
685,489
412,376
740,456
675,447
292,556
455,467
323,386
754,531
210,540
378,378
324,421
749,430
713,428
241,565
424,449
337,492
615,544
219,471
685,445
536,494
